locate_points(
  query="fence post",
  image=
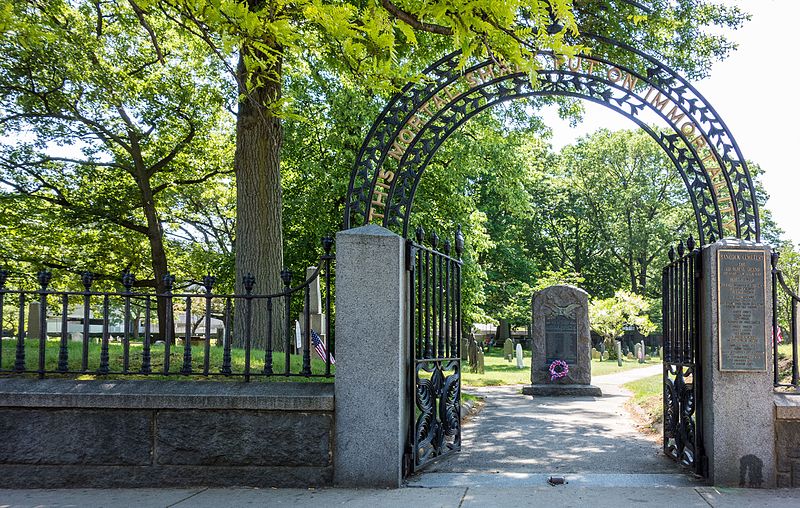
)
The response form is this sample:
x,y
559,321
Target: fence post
x,y
371,357
736,355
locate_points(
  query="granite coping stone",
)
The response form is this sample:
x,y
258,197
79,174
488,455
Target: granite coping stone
x,y
787,406
135,394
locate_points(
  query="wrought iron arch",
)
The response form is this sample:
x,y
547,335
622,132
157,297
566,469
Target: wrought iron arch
x,y
422,116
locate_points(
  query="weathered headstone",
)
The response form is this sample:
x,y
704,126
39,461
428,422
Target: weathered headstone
x,y
76,337
315,310
520,363
629,356
618,345
604,356
480,360
464,348
508,349
473,354
595,354
34,323
561,334
642,352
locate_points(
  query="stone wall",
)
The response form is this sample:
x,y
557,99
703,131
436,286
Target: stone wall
x,y
63,433
787,440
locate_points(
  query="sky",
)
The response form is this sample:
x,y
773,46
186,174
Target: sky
x,y
755,92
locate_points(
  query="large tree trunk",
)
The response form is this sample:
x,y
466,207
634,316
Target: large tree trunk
x,y
155,235
259,240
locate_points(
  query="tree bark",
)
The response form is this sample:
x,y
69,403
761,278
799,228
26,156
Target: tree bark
x,y
155,236
259,238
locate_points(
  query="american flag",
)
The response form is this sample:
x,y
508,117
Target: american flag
x,y
319,347
778,336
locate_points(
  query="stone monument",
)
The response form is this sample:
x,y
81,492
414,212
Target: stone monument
x,y
519,355
561,332
315,312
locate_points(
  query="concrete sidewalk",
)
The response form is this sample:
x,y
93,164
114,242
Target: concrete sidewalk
x,y
545,496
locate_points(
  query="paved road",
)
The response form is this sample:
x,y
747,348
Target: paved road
x,y
518,435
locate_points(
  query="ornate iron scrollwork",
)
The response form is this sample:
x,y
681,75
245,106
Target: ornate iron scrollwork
x,y
394,155
683,440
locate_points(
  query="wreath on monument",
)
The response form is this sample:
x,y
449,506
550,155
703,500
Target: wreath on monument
x,y
558,369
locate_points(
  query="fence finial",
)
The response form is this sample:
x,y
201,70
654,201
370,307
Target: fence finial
x,y
249,281
127,280
671,253
286,277
327,244
169,280
86,279
44,277
690,243
208,283
459,241
420,234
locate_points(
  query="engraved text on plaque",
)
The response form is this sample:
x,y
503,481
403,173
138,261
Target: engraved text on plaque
x,y
742,304
561,339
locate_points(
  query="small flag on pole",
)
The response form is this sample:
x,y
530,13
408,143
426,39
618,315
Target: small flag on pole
x,y
779,336
319,347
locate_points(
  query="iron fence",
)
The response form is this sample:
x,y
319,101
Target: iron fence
x,y
784,367
104,333
683,441
435,330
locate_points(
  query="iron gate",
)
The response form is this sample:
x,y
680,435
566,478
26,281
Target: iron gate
x,y
434,318
683,402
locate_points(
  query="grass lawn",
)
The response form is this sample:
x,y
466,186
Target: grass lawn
x,y
115,354
647,394
500,372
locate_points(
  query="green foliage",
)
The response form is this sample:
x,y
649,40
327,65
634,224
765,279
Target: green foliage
x,y
608,316
105,137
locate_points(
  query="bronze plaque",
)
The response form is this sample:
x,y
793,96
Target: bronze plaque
x,y
561,339
742,300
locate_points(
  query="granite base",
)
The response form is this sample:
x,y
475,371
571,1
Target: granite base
x,y
553,390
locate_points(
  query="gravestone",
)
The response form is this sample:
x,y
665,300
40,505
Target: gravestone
x,y
76,337
604,356
315,310
595,354
618,346
642,352
473,354
480,368
519,357
561,332
464,348
508,349
629,356
34,323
